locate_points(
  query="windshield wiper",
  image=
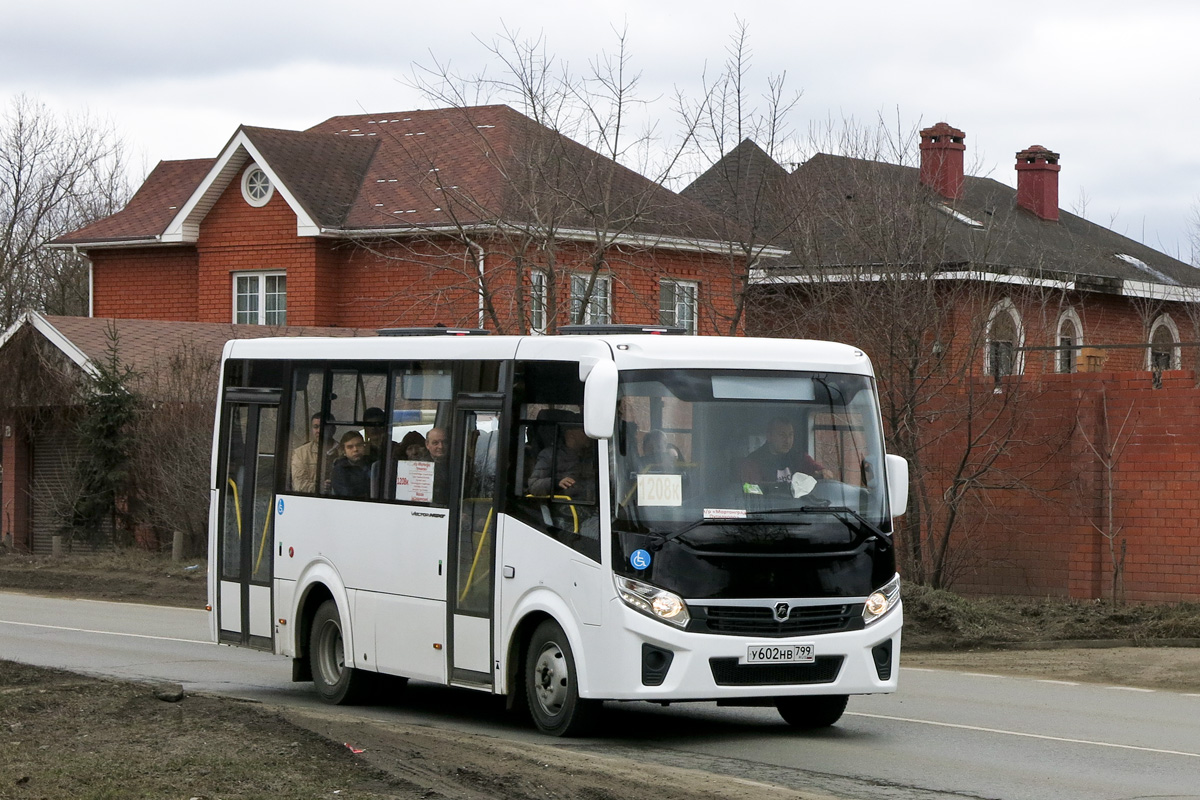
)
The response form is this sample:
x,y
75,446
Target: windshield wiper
x,y
866,523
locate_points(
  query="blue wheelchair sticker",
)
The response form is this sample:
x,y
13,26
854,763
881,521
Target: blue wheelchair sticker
x,y
640,559
280,506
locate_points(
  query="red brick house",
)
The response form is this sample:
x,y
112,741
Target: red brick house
x,y
461,216
1030,361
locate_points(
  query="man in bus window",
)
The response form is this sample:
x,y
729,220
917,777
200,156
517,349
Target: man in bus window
x,y
568,469
352,472
778,459
438,445
306,456
375,433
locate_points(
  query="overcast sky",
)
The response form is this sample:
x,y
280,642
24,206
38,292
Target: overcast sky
x,y
1111,86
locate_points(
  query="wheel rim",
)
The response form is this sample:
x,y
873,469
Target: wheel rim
x,y
550,679
331,658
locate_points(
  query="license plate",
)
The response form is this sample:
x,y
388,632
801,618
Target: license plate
x,y
780,654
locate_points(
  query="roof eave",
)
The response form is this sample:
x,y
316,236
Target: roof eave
x,y
1126,288
646,241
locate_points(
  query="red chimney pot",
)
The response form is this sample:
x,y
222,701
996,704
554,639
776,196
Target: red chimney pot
x,y
1037,181
942,151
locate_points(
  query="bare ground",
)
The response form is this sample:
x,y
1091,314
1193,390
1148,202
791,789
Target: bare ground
x,y
66,735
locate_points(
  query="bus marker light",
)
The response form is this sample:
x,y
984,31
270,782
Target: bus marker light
x,y
208,608
291,552
437,645
282,621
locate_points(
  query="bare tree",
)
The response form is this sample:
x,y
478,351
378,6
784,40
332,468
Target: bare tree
x,y
876,262
1107,446
172,439
562,217
739,141
55,176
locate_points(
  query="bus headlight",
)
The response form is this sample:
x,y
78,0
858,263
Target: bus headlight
x,y
881,601
658,603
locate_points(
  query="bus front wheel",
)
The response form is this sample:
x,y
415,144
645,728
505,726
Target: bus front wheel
x,y
552,685
336,683
812,712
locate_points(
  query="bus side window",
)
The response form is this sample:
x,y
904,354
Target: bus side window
x,y
553,483
356,401
420,423
307,433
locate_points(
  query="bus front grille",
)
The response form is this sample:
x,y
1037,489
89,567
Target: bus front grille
x,y
728,672
760,621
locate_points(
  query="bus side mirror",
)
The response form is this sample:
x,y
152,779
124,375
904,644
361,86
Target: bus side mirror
x,y
600,400
897,482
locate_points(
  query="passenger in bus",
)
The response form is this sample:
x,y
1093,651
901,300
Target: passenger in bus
x,y
659,455
306,457
375,432
567,468
412,448
352,472
438,445
778,459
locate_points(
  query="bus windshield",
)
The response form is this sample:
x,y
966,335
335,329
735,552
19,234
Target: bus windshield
x,y
705,454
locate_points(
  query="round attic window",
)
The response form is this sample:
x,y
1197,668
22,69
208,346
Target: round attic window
x,y
256,187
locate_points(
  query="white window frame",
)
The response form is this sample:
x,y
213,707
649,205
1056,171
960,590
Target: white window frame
x,y
252,186
601,291
1006,307
1069,320
1163,321
685,302
538,311
258,315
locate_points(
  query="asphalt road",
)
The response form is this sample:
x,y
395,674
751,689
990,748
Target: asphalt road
x,y
944,734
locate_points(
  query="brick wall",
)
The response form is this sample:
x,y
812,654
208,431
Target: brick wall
x,y
145,283
16,455
236,237
1046,540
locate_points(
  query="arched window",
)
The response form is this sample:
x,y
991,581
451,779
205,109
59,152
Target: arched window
x,y
1163,334
1005,338
1069,338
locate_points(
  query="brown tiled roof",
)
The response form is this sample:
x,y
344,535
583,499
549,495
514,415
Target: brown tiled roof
x,y
144,345
323,173
848,212
157,201
485,164
421,170
748,186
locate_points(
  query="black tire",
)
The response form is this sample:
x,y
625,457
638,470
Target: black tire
x,y
336,683
812,712
552,685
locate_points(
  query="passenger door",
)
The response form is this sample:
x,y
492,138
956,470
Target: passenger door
x,y
250,428
473,522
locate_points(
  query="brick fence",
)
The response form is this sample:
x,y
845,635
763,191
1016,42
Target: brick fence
x,y
1046,540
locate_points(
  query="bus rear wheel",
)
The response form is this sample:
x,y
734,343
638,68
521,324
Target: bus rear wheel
x,y
812,712
336,683
552,685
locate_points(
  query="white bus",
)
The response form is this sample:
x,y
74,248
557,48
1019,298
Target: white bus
x,y
571,519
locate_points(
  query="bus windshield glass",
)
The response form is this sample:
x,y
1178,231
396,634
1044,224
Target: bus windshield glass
x,y
709,452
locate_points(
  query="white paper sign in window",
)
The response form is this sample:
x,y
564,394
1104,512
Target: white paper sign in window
x,y
660,490
414,481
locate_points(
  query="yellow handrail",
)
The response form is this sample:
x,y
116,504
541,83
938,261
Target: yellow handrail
x,y
478,551
237,507
263,542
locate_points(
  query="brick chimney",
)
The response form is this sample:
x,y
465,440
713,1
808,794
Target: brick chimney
x,y
1037,181
942,151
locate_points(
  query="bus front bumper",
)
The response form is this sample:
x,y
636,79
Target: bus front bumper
x,y
660,662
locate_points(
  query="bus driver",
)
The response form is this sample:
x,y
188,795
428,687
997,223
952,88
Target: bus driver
x,y
778,459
